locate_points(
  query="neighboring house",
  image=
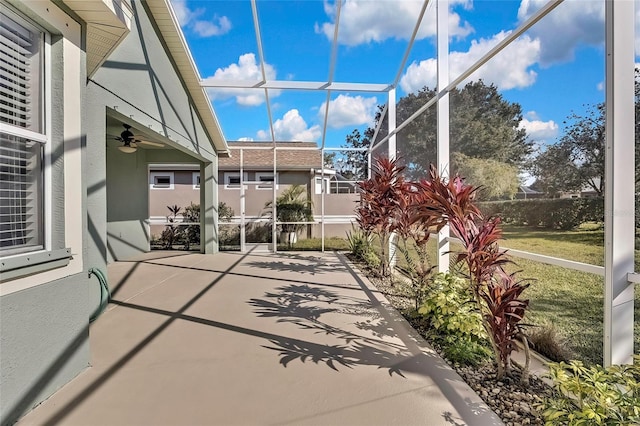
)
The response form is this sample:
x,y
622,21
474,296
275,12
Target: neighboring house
x,y
245,184
586,191
526,193
73,197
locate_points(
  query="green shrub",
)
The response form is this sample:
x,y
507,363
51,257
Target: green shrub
x,y
593,395
359,242
225,213
192,232
557,213
455,324
449,310
464,351
371,259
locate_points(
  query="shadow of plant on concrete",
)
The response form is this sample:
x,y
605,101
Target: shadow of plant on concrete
x,y
299,264
304,306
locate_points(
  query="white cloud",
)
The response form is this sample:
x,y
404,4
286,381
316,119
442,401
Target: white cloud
x,y
188,18
183,13
247,69
348,110
509,69
569,25
245,139
219,25
537,130
291,127
375,21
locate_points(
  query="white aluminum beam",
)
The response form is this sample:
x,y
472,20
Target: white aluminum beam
x,y
297,85
410,44
332,66
243,219
542,12
619,183
442,34
547,260
391,121
391,153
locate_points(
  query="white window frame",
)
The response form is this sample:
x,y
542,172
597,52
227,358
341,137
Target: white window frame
x,y
36,268
318,186
43,137
195,180
262,187
154,186
229,175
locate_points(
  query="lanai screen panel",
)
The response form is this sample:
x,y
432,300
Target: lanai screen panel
x,y
517,126
553,72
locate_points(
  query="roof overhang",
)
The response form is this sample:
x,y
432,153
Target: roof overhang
x,y
167,24
108,23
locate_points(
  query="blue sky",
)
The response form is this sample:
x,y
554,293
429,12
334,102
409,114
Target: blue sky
x,y
555,68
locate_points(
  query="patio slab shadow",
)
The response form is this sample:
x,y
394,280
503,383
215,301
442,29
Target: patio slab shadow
x,y
257,339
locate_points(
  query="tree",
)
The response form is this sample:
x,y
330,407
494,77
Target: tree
x,y
355,164
576,161
496,180
482,125
329,159
292,205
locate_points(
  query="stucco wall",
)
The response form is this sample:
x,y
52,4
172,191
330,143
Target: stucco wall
x,y
182,194
138,85
127,205
45,342
44,316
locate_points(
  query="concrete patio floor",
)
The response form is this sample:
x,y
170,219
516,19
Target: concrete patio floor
x,y
256,339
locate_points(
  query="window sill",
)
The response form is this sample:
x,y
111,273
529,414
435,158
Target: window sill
x,y
33,263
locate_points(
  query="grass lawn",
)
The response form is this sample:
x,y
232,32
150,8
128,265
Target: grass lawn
x,y
332,243
570,301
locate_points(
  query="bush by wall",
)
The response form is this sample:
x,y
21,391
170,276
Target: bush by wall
x,y
557,213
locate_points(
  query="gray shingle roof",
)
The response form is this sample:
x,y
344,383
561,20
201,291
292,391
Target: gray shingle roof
x,y
289,156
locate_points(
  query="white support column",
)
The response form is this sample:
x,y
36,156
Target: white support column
x,y
243,224
274,227
391,152
619,183
391,116
323,189
209,231
442,28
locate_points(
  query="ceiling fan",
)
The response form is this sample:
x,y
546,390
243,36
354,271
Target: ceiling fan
x,y
130,142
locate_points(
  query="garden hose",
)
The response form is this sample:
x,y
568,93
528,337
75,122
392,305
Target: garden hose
x,y
105,295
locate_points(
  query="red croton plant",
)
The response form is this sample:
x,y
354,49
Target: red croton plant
x,y
391,204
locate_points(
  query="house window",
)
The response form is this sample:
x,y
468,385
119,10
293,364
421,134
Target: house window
x,y
23,139
161,180
232,180
195,178
318,185
265,180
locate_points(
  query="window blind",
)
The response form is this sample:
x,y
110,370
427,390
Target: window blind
x,y
20,189
20,62
21,159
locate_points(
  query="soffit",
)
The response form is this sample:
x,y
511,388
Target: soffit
x,y
108,23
